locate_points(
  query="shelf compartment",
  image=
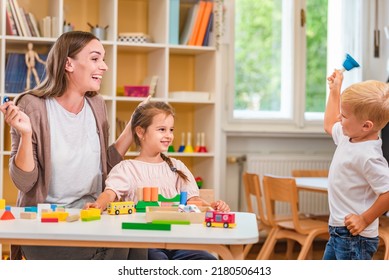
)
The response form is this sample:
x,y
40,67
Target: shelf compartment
x,y
143,16
194,118
96,12
15,76
134,66
41,9
192,72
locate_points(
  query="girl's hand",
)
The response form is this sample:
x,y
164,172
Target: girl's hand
x,y
94,205
221,206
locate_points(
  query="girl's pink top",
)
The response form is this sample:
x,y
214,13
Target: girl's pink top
x,y
129,175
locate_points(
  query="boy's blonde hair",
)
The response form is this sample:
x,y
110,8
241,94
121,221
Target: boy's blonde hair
x,y
369,100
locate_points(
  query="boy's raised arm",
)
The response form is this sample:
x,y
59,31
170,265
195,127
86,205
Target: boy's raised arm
x,y
331,115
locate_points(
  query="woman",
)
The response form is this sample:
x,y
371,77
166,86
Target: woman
x,y
59,129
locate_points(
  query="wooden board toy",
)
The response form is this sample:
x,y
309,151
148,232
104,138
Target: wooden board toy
x,y
172,214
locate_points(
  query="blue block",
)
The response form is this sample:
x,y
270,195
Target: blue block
x,y
183,198
31,209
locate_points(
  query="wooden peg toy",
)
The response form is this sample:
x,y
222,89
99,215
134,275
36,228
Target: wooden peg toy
x,y
202,149
182,146
189,147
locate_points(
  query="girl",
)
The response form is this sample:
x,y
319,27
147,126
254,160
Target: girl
x,y
152,126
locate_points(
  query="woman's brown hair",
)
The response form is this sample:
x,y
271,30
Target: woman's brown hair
x,y
69,44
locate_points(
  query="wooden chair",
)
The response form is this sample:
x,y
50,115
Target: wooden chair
x,y
310,173
303,231
253,192
384,235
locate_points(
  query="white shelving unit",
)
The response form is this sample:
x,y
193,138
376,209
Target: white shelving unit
x,y
179,68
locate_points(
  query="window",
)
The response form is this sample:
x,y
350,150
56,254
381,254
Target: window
x,y
283,50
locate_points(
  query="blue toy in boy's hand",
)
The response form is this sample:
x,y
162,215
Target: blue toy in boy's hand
x,y
349,63
6,99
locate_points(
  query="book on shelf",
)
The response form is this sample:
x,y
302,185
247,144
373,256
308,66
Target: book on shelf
x,y
21,18
15,17
196,27
25,22
204,23
34,24
30,26
21,22
54,27
208,33
10,23
16,72
189,24
174,22
45,26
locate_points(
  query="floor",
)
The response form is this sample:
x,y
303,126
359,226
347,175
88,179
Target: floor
x,y
318,250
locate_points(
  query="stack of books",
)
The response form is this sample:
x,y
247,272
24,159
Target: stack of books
x,y
20,22
197,26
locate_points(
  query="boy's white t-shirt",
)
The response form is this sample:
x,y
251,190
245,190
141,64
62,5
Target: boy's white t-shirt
x,y
75,156
358,175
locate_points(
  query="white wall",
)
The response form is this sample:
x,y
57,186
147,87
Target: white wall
x,y
377,68
243,145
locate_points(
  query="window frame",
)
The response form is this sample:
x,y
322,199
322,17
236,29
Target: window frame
x,y
299,121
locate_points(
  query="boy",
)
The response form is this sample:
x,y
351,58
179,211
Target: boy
x,y
358,181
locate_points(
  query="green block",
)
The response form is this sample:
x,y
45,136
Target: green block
x,y
141,205
173,199
170,222
90,219
147,226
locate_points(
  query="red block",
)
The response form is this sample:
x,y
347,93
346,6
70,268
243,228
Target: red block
x,y
49,220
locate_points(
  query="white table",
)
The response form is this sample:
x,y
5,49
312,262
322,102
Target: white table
x,y
319,184
108,232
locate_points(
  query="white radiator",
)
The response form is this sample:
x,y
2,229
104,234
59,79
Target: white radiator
x,y
282,165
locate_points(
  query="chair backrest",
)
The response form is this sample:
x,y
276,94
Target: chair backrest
x,y
252,188
281,189
310,173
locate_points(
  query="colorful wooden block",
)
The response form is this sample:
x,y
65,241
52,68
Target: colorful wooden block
x,y
61,216
72,218
31,209
2,203
28,215
91,214
7,215
148,226
49,220
42,206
